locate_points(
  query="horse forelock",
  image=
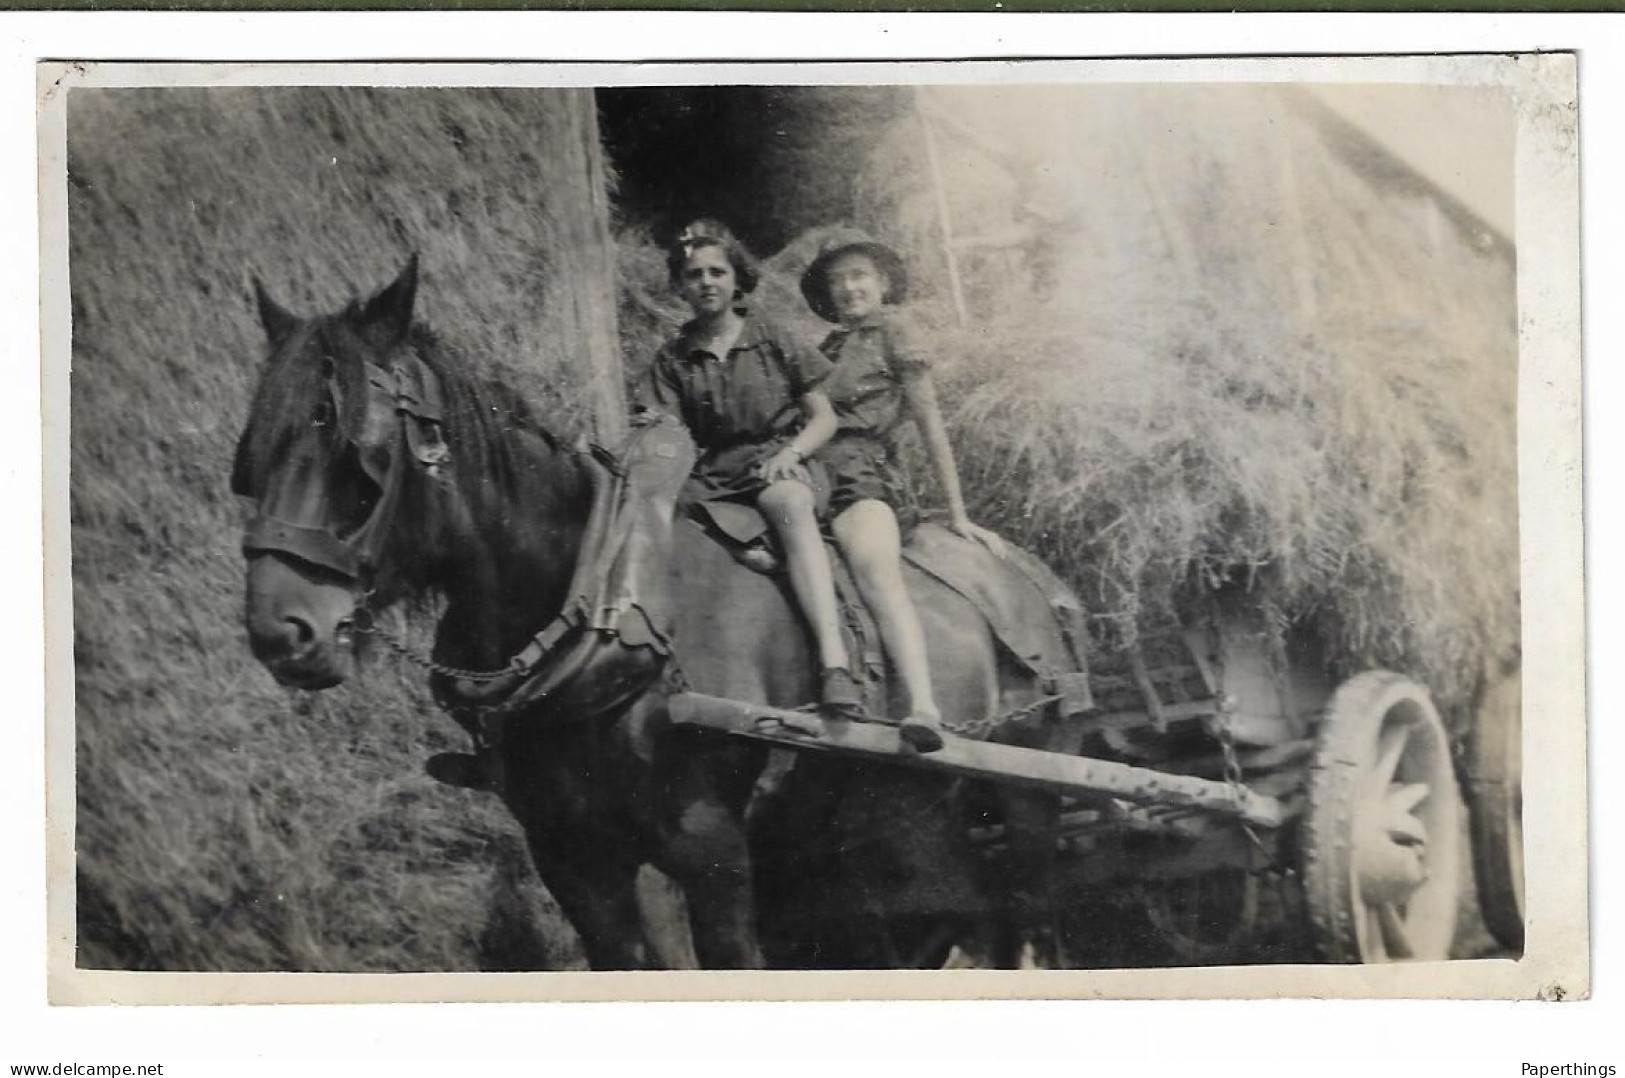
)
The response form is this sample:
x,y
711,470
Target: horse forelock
x,y
293,387
283,409
504,464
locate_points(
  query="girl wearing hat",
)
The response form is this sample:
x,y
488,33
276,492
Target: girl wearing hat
x,y
751,398
881,379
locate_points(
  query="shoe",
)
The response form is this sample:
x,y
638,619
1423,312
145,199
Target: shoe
x,y
921,734
841,696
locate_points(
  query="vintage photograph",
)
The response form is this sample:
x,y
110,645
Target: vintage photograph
x,y
973,522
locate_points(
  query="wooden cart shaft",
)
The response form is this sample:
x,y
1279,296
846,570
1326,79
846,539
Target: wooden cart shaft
x,y
1077,776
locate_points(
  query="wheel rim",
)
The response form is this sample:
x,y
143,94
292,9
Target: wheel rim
x,y
1403,864
1515,840
1495,768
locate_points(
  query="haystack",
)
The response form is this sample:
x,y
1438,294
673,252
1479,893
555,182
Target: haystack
x,y
224,823
1219,340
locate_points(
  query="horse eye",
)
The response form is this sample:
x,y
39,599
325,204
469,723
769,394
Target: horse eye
x,y
324,414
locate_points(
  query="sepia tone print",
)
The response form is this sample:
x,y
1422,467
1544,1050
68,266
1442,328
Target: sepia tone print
x,y
1069,526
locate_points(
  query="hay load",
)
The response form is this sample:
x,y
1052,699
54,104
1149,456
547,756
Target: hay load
x,y
224,823
1217,340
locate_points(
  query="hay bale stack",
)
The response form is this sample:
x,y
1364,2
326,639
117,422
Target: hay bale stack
x,y
1237,346
224,823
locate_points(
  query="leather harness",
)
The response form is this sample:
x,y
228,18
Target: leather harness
x,y
408,390
608,643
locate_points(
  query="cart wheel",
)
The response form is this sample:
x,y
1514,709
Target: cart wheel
x,y
1495,810
1205,919
1382,838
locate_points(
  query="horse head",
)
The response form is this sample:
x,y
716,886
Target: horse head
x,y
343,444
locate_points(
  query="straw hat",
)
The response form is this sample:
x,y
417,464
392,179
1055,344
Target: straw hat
x,y
815,283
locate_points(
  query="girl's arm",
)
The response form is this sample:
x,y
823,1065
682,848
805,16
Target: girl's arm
x,y
921,394
659,392
819,428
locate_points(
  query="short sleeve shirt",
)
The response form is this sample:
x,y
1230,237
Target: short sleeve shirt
x,y
751,395
871,361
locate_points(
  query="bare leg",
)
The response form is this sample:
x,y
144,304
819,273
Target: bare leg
x,y
869,537
789,506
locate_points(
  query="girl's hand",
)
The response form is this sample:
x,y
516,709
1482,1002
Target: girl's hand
x,y
786,464
988,539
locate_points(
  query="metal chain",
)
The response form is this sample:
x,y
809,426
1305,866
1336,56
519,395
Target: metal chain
x,y
1224,731
977,727
366,624
676,681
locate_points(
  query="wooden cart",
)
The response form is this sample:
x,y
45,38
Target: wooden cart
x,y
1217,759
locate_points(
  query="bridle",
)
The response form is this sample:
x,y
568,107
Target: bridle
x,y
399,431
404,406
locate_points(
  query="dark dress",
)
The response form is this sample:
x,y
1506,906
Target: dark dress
x,y
740,410
871,361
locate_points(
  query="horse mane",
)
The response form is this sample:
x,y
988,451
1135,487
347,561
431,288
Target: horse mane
x,y
482,414
509,468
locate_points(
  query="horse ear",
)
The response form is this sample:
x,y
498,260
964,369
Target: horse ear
x,y
278,322
388,316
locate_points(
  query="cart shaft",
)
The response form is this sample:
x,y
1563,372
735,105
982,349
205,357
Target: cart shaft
x,y
1052,771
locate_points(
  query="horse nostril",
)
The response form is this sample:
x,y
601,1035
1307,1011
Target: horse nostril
x,y
301,634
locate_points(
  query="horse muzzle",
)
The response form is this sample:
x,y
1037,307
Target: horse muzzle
x,y
299,622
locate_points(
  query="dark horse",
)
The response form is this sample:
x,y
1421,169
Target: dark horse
x,y
382,469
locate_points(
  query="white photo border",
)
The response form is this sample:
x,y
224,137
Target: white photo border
x,y
1556,958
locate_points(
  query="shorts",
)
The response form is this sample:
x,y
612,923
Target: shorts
x,y
726,483
860,468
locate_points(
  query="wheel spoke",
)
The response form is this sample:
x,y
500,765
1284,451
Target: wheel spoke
x,y
1373,934
1406,798
1389,752
1395,941
1403,825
